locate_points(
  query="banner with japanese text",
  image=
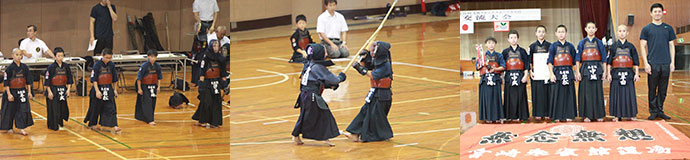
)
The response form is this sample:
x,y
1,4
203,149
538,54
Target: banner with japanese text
x,y
594,140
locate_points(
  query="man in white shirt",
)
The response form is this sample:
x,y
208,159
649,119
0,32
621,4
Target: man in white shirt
x,y
33,47
205,13
220,33
332,30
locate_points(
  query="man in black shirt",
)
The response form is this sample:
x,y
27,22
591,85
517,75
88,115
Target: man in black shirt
x,y
103,15
657,38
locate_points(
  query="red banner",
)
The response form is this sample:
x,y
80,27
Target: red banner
x,y
595,140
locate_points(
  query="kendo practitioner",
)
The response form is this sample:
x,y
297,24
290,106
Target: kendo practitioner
x,y
371,123
102,107
15,101
560,61
515,89
591,65
148,82
58,83
623,64
490,102
316,120
210,110
299,40
540,88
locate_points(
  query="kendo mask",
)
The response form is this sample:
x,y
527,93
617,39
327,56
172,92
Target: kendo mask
x,y
317,54
380,52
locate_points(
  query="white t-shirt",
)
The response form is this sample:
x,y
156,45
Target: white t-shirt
x,y
205,8
332,26
213,36
36,48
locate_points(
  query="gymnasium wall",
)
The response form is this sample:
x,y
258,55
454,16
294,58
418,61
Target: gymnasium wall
x,y
65,23
553,13
677,15
245,10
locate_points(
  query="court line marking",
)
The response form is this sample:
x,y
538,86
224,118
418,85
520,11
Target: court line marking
x,y
165,121
84,125
672,123
177,112
40,116
426,79
154,154
348,108
285,78
425,66
393,43
403,145
96,144
339,68
188,156
308,140
274,122
86,139
438,153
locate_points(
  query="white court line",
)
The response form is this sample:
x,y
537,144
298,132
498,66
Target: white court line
x,y
40,116
338,68
167,121
285,78
187,156
156,113
277,58
349,108
403,145
400,134
425,66
667,132
86,139
274,122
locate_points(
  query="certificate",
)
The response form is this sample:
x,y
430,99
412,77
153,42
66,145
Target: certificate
x,y
541,70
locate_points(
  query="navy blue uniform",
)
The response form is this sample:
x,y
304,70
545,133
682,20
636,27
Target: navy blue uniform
x,y
623,100
490,102
540,88
371,123
149,75
515,92
563,102
17,112
57,78
210,106
105,108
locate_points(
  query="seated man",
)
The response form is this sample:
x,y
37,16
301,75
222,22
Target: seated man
x,y
34,48
332,30
219,34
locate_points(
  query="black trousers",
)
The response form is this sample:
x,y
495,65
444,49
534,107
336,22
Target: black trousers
x,y
657,82
101,44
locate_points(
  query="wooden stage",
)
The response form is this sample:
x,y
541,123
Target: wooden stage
x,y
424,114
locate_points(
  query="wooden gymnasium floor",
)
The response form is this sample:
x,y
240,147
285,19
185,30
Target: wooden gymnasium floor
x,y
174,137
424,114
675,105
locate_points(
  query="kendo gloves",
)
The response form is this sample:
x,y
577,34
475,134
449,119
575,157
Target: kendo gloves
x,y
361,69
342,76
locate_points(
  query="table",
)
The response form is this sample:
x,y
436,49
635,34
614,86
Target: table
x,y
163,58
41,64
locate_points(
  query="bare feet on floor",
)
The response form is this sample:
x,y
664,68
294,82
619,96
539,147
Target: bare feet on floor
x,y
297,140
329,143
